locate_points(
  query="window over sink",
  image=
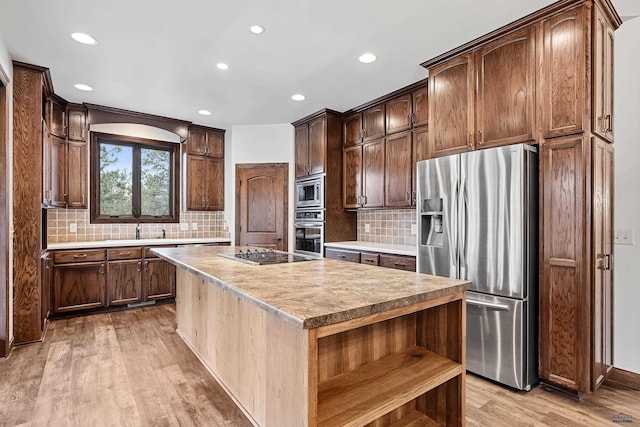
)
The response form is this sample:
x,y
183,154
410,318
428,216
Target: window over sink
x,y
133,180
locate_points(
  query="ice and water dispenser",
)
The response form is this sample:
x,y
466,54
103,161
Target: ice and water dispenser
x,y
431,215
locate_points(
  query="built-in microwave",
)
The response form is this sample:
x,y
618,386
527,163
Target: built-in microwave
x,y
310,193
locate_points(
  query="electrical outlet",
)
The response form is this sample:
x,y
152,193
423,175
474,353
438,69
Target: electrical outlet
x,y
194,226
184,226
367,228
624,237
414,229
73,227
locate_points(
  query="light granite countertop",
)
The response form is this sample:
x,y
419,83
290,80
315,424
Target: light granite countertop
x,y
133,242
313,293
359,245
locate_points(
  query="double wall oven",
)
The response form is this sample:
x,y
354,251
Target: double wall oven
x,y
309,221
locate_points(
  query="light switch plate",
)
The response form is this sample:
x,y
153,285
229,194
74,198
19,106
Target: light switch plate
x,y
184,226
624,236
73,227
414,229
367,228
194,226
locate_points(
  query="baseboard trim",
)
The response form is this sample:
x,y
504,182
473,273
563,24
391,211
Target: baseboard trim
x,y
620,377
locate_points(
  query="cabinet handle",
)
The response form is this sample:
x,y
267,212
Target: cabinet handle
x,y
82,199
413,118
480,137
399,264
203,205
124,253
342,257
409,119
364,198
139,266
101,268
413,197
469,136
407,197
608,120
146,266
80,256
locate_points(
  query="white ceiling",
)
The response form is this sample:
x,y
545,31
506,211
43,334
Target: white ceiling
x,y
159,56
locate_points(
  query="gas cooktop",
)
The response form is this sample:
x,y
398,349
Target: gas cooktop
x,y
265,257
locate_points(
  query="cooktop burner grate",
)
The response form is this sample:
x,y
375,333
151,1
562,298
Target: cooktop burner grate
x,y
265,257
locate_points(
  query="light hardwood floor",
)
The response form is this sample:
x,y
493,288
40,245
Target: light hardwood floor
x,y
130,368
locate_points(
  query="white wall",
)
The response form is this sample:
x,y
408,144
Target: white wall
x,y
7,68
258,144
627,196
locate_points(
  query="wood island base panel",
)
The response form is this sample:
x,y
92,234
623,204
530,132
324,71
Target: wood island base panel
x,y
392,353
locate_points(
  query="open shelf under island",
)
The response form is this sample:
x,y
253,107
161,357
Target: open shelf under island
x,y
324,342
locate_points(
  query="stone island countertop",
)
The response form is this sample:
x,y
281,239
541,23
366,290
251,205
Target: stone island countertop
x,y
314,293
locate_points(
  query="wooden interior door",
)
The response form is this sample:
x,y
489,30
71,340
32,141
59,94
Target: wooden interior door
x,y
261,205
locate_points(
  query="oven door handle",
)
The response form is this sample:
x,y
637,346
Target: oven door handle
x,y
309,224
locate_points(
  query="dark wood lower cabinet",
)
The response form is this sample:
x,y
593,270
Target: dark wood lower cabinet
x,y
399,262
79,286
159,279
124,282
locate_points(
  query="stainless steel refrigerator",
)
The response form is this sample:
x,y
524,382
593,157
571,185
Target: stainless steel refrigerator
x,y
478,221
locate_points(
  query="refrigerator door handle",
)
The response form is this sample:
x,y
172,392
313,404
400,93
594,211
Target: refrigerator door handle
x,y
484,304
462,225
453,248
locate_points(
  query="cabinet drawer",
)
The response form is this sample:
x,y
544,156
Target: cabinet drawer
x,y
65,257
149,254
350,256
124,253
398,262
370,259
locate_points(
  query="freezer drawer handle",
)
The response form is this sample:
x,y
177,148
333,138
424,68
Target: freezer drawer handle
x,y
481,304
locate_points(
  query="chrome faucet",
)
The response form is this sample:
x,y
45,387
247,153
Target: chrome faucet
x,y
138,231
164,234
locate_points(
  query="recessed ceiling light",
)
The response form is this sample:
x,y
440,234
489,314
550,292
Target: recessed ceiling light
x,y
82,86
204,112
84,38
297,97
367,58
222,66
256,29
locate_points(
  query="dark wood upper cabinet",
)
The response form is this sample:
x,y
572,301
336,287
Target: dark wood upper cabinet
x,y
302,149
196,188
420,114
57,172
77,128
57,118
352,129
563,74
602,98
451,90
420,151
197,141
215,184
373,174
204,169
46,166
399,114
373,122
205,141
77,174
505,104
398,171
352,178
310,147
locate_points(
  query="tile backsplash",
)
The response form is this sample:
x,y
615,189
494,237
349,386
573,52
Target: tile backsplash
x,y
60,223
387,226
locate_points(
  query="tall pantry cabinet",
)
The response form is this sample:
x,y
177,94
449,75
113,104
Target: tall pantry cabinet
x,y
558,93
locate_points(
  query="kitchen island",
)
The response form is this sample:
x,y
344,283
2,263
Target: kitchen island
x,y
324,342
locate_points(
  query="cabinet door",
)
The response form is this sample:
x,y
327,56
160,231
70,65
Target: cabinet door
x,y
46,271
420,115
602,203
159,279
451,90
78,286
505,109
57,170
76,174
352,179
302,150
317,145
373,122
77,130
352,129
124,282
373,174
420,147
398,177
398,114
46,166
196,188
564,291
57,122
215,144
602,76
215,185
563,74
398,262
197,141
